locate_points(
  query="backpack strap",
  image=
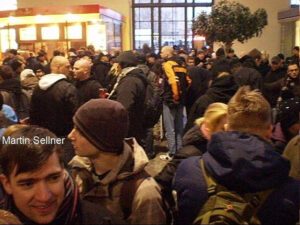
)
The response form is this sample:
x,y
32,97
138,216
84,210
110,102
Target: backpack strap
x,y
128,191
212,186
255,199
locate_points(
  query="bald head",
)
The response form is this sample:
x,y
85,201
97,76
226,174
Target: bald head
x,y
60,65
167,52
82,69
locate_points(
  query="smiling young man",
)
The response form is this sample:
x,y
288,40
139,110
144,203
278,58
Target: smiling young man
x,y
35,185
37,188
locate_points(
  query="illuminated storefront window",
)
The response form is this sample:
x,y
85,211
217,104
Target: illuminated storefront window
x,y
27,33
96,35
74,32
50,33
8,39
60,28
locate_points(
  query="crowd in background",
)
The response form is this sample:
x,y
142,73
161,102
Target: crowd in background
x,y
95,100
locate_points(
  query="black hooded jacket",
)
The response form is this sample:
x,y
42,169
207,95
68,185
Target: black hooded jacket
x,y
194,144
131,92
200,82
11,85
221,90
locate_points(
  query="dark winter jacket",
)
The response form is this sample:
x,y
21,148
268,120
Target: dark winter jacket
x,y
272,85
200,81
100,72
53,104
221,90
14,96
11,85
243,163
194,144
130,92
87,89
290,88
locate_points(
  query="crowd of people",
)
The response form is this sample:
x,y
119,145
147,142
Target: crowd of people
x,y
231,125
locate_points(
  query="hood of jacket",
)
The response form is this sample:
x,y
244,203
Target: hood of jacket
x,y
245,162
144,68
222,88
139,73
29,82
11,85
132,152
50,79
194,137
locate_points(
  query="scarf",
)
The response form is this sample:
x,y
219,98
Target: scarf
x,y
124,72
67,212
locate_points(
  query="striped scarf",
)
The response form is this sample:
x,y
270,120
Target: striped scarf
x,y
67,213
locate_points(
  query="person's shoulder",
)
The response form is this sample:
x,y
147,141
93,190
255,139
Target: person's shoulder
x,y
91,81
149,189
189,163
66,85
188,171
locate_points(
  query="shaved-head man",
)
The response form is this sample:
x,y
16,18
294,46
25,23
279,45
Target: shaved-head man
x,y
82,69
87,87
60,65
54,101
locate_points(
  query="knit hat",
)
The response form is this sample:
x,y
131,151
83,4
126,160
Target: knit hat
x,y
127,57
104,123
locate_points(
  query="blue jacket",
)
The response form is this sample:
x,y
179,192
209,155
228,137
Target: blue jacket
x,y
244,163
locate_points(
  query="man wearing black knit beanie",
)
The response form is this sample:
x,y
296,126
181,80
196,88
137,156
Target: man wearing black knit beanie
x,y
108,168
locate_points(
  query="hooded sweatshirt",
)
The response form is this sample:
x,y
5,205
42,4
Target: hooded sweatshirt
x,y
244,163
53,104
221,90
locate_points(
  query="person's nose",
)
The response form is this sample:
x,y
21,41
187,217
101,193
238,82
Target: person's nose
x,y
71,135
43,192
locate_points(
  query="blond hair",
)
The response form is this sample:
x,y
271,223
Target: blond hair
x,y
249,111
213,115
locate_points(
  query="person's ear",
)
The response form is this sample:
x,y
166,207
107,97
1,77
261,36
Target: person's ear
x,y
269,132
6,184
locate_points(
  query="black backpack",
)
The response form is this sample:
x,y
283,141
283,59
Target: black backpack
x,y
153,101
